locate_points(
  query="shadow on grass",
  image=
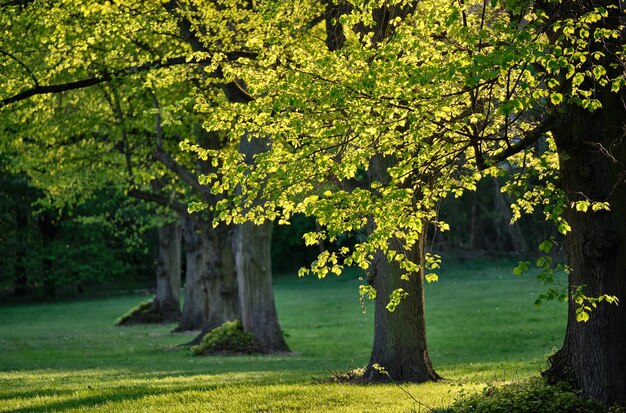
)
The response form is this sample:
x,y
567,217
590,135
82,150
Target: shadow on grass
x,y
33,393
112,395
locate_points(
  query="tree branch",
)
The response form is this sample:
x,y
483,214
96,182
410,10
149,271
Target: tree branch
x,y
30,72
235,91
170,163
10,3
182,172
528,140
159,199
108,76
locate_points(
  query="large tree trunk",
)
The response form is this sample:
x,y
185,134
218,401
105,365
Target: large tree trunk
x,y
399,345
195,305
166,303
222,279
400,336
165,307
222,295
593,158
211,288
254,276
253,259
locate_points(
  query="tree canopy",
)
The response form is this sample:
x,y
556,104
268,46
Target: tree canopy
x,y
458,92
367,113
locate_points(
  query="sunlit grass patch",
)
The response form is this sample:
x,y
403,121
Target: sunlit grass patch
x,y
67,356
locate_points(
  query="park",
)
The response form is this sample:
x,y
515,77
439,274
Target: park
x,y
312,205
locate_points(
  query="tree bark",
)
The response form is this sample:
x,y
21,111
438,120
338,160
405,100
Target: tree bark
x,y
211,286
253,259
254,276
222,291
592,155
166,302
195,305
592,158
399,345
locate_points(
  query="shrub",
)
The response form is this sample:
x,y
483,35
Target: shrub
x,y
531,396
228,338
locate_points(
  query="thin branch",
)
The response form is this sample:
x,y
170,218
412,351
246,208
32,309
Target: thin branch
x,y
158,127
15,3
170,163
119,114
30,72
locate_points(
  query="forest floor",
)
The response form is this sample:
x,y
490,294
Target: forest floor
x,y
482,329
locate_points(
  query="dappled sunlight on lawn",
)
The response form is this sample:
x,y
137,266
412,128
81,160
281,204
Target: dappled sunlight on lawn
x,y
482,328
118,390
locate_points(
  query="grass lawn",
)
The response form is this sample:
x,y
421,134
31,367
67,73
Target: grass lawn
x,y
68,356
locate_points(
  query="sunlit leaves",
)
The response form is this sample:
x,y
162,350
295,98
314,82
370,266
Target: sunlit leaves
x,y
368,139
395,298
585,304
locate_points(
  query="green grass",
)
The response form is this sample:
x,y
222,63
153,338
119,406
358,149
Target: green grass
x,y
68,356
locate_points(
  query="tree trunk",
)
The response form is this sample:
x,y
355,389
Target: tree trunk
x,y
400,336
399,345
195,305
166,303
253,260
592,158
254,276
211,287
223,299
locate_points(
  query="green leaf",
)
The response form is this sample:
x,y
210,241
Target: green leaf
x,y
556,98
521,268
546,246
432,277
582,316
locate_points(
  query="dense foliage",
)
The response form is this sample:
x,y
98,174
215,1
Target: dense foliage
x,y
365,115
367,136
104,240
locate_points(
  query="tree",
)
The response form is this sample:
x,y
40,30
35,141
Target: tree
x,y
15,220
166,301
592,156
62,253
87,34
254,269
456,91
400,340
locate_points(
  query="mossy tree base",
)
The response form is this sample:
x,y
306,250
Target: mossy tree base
x,y
229,338
150,312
